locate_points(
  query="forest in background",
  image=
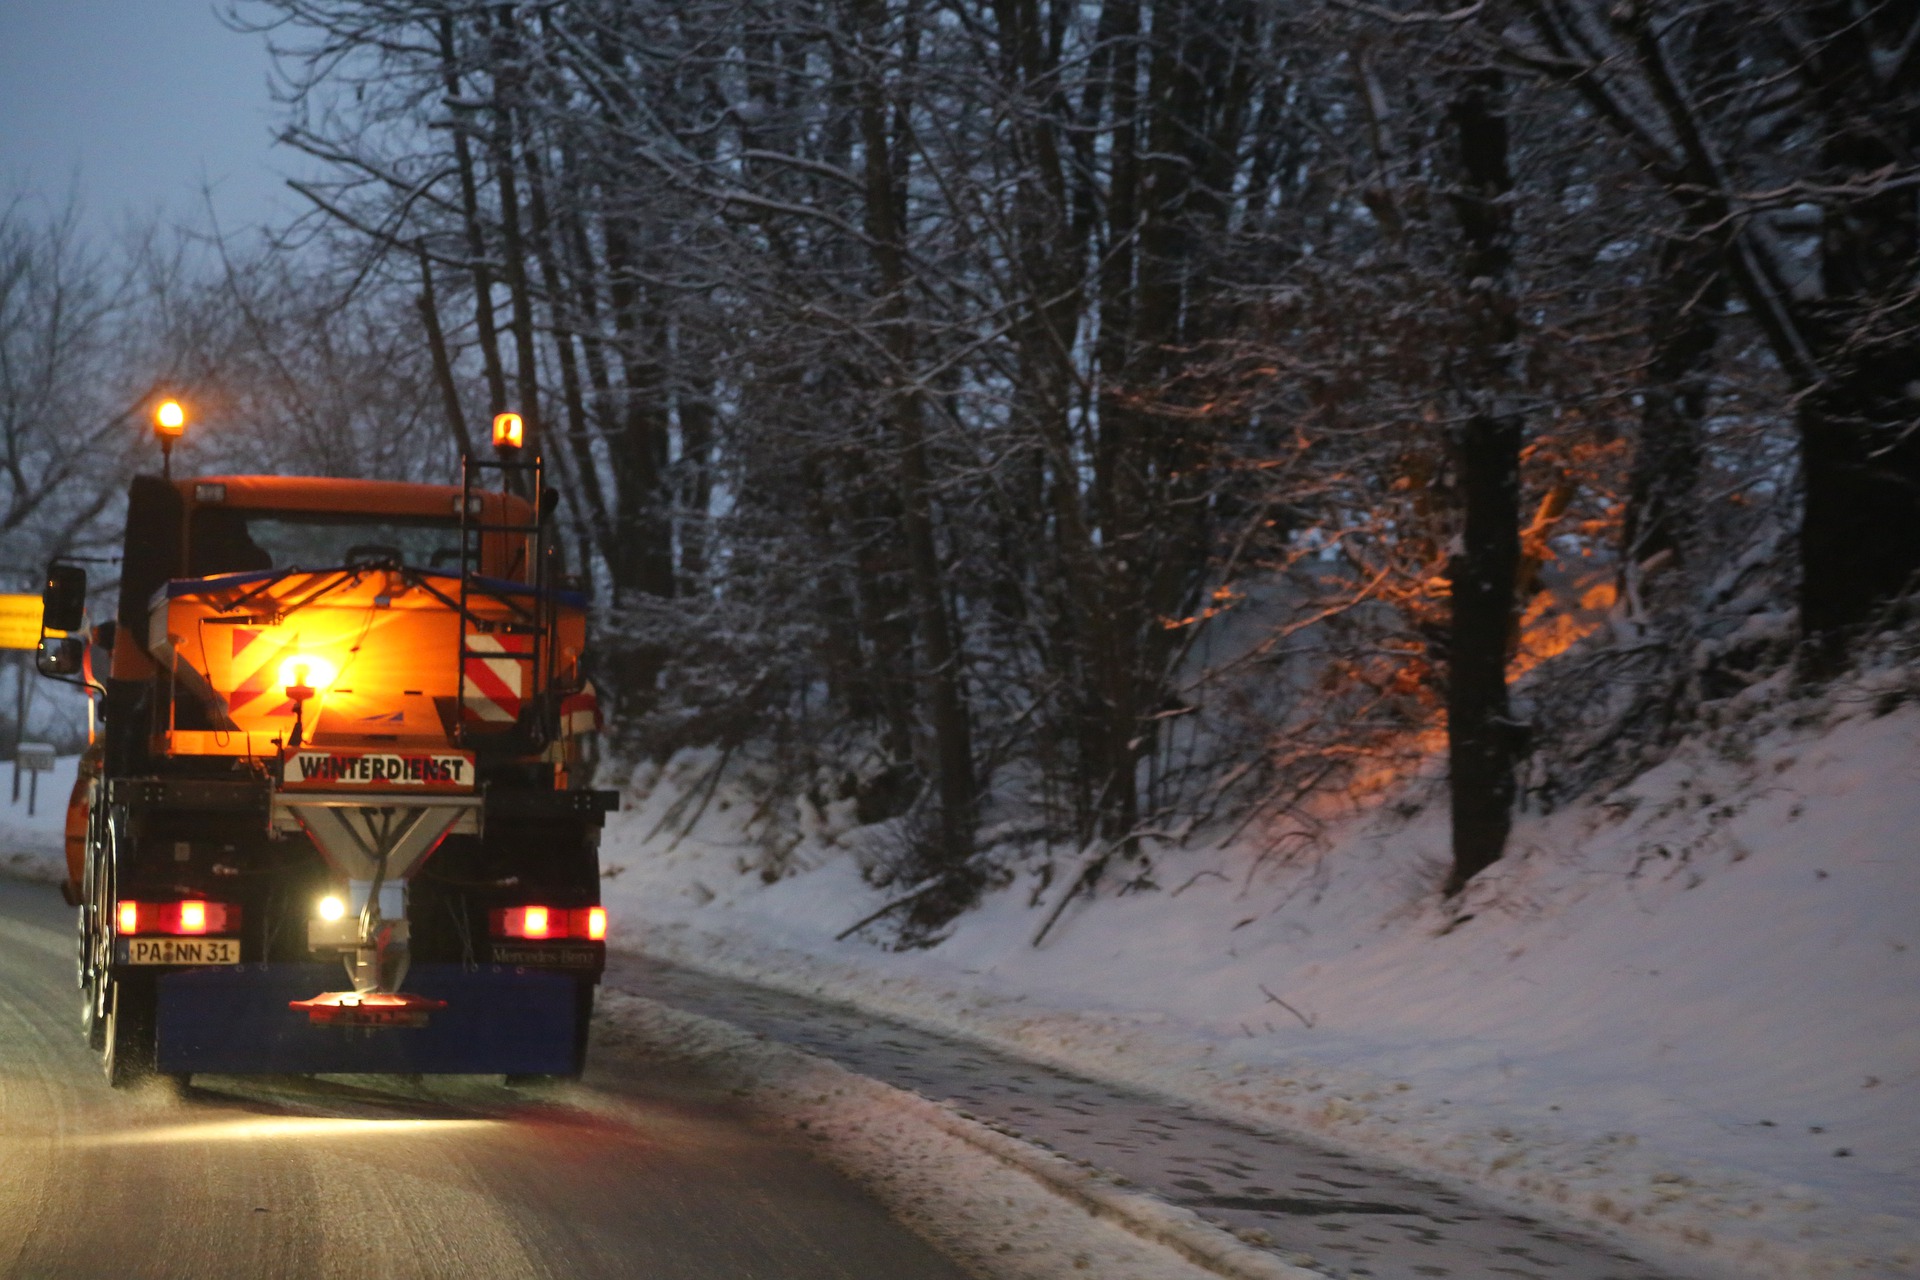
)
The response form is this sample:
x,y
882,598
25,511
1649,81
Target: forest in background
x,y
1108,423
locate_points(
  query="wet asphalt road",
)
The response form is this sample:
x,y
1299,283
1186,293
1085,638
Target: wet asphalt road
x,y
1353,1219
634,1172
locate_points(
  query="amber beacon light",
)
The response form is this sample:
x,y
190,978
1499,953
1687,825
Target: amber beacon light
x,y
169,424
509,430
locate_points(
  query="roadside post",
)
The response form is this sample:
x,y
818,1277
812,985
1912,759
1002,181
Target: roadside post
x,y
36,758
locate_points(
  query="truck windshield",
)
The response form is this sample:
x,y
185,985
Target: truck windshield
x,y
228,540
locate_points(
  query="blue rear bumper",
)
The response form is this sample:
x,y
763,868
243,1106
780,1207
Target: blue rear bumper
x,y
498,1020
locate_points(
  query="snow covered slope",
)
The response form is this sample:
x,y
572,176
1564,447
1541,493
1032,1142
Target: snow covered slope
x,y
1688,1012
31,844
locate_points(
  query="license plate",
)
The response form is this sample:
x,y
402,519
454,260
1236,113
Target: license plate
x,y
180,950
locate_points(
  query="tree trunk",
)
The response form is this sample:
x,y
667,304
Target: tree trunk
x,y
1106,696
429,307
940,655
693,488
1860,459
477,264
507,84
1481,738
1688,295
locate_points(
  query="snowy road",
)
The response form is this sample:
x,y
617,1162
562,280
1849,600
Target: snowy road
x,y
1351,1220
630,1174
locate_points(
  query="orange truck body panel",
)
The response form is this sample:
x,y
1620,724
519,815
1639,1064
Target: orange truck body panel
x,y
379,648
323,494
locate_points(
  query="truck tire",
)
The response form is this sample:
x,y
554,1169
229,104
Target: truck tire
x,y
93,1011
96,938
127,1049
83,946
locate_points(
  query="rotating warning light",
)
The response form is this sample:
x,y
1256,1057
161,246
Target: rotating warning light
x,y
170,419
509,430
304,675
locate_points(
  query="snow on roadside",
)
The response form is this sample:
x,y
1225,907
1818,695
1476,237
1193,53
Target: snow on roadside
x,y
31,846
1688,1012
998,1215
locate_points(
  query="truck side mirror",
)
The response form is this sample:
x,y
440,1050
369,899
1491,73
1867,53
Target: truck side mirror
x,y
60,656
64,601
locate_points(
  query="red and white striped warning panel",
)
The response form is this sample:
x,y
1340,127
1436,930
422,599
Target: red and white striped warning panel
x,y
257,655
492,689
580,712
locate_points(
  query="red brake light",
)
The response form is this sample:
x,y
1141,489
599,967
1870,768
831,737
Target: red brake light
x,y
537,922
193,917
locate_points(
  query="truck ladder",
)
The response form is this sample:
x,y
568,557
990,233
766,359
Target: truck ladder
x,y
536,662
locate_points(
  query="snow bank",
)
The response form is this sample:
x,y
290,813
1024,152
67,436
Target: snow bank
x,y
1688,1012
1000,1208
33,846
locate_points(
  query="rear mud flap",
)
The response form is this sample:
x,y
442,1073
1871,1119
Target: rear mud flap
x,y
497,1020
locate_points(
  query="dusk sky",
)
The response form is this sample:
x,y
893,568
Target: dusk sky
x,y
139,103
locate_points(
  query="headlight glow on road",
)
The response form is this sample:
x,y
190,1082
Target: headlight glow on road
x,y
271,1127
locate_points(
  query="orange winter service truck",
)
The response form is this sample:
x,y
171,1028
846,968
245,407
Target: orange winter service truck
x,y
333,819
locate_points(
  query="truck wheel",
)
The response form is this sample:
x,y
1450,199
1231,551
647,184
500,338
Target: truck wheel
x,y
93,1012
82,945
127,1051
97,954
89,992
96,939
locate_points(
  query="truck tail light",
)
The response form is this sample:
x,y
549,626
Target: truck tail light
x,y
542,923
191,918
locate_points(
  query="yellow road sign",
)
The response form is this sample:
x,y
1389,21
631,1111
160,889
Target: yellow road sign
x,y
19,622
